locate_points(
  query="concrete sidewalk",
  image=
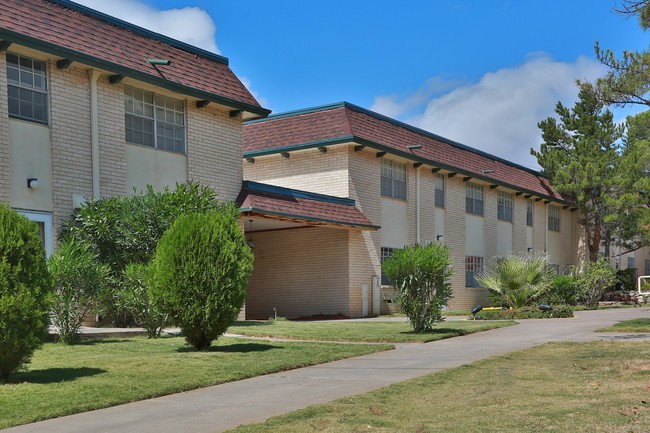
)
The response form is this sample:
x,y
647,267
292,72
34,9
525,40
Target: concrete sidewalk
x,y
222,407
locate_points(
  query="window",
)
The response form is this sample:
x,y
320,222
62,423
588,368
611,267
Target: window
x,y
504,206
474,199
647,267
529,212
154,120
385,253
554,218
393,179
630,262
473,267
440,190
27,88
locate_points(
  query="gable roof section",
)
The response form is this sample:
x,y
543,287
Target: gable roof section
x,y
288,204
345,123
71,31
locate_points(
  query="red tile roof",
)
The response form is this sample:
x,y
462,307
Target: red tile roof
x,y
72,31
343,122
300,206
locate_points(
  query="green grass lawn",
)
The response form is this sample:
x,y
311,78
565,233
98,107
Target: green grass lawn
x,y
558,387
635,325
393,332
64,379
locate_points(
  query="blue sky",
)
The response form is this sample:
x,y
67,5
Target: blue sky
x,y
479,72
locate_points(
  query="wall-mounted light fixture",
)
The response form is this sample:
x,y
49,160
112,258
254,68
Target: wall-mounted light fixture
x,y
530,250
32,182
439,237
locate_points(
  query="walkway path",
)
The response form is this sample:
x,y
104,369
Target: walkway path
x,y
222,407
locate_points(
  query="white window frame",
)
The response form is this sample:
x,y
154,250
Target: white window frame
x,y
474,265
529,212
21,85
439,190
46,219
631,262
505,203
393,179
161,116
473,196
554,218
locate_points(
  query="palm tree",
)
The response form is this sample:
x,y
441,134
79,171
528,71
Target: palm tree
x,y
520,278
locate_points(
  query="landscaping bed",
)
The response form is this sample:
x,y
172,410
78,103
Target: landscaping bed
x,y
561,311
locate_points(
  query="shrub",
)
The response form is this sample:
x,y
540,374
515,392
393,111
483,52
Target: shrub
x,y
25,291
625,280
560,311
520,278
124,230
563,290
593,281
421,275
200,272
134,297
78,277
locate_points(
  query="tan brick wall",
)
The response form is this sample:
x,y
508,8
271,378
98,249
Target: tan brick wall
x,y
490,223
112,147
301,272
70,138
214,150
308,170
519,224
5,148
427,205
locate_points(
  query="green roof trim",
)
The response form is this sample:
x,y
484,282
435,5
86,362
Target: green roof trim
x,y
307,218
140,30
128,72
403,154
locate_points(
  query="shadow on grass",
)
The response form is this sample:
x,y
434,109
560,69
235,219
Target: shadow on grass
x,y
234,348
249,323
54,375
97,341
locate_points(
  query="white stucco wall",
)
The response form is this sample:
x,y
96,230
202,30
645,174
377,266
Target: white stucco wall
x,y
394,224
148,166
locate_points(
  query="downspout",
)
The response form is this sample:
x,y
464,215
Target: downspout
x,y
94,131
417,204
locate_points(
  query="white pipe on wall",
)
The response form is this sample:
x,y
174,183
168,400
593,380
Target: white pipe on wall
x,y
94,131
417,204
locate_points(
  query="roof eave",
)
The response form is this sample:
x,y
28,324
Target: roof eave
x,y
117,69
403,154
306,218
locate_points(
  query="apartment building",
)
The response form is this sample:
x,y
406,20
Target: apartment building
x,y
94,107
412,186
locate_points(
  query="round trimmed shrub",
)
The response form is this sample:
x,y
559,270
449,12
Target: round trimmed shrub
x,y
25,291
200,272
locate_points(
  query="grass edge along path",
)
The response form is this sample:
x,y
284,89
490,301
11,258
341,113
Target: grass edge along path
x,y
634,325
595,387
353,331
63,380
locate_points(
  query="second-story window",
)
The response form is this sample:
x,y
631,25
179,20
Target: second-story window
x,y
554,218
154,120
474,199
393,179
27,88
504,206
529,212
440,190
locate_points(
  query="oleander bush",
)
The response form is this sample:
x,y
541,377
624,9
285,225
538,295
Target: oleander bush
x,y
200,273
25,291
78,278
593,280
421,274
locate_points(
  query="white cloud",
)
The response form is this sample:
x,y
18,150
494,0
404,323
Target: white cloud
x,y
191,25
498,114
263,101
